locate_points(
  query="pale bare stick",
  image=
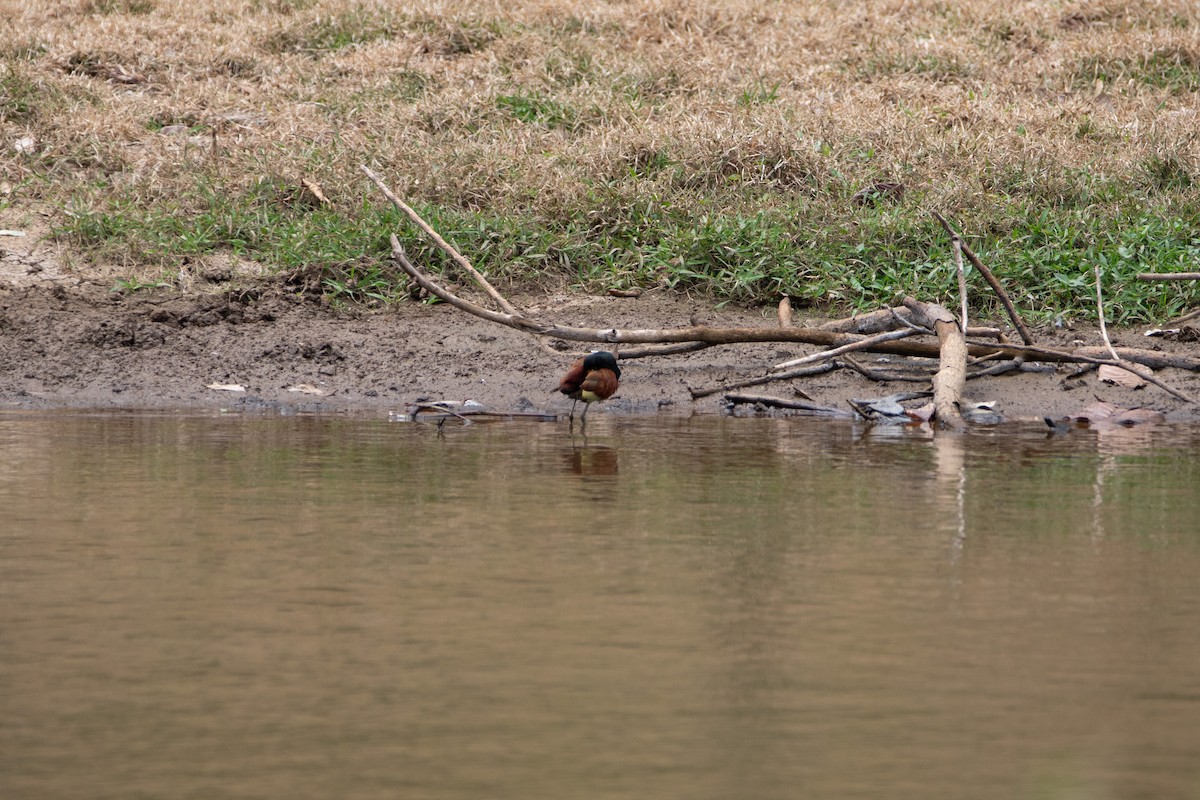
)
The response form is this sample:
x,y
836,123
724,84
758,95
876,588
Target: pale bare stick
x,y
956,245
442,244
861,344
1168,276
1005,300
1117,361
1100,314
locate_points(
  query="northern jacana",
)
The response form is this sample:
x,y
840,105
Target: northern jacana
x,y
591,379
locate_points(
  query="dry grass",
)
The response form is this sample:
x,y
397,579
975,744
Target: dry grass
x,y
603,122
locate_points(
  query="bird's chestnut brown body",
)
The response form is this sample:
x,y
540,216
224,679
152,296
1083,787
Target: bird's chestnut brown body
x,y
591,379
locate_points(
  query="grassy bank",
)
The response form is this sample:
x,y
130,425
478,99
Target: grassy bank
x,y
725,148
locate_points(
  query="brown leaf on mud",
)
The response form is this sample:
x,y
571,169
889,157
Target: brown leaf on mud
x,y
1120,376
227,387
307,388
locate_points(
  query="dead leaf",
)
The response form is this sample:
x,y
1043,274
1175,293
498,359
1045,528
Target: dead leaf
x,y
307,388
12,233
1120,376
25,145
227,387
315,190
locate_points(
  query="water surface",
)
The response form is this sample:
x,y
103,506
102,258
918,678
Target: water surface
x,y
316,607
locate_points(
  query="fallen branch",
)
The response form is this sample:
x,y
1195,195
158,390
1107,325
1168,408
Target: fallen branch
x,y
952,366
1168,276
780,402
1005,300
440,242
1188,317
861,344
880,375
956,245
803,372
665,350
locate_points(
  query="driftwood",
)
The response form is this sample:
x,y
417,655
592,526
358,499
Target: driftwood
x,y
1005,300
738,398
952,371
1168,276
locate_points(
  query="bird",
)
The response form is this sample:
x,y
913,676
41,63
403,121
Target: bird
x,y
591,379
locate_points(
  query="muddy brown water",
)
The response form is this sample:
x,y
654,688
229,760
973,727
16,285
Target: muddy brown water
x,y
313,607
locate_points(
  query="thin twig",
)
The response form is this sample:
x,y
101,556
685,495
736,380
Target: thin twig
x,y
883,376
996,369
1005,300
956,245
803,372
1188,317
1100,314
440,242
780,402
861,344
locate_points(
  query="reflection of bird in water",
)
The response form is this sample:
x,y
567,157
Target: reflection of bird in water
x,y
591,379
593,461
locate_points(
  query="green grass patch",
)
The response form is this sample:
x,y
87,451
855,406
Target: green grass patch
x,y
106,7
1175,69
537,109
327,34
19,94
934,67
863,261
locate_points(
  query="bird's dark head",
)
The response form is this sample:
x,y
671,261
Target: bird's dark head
x,y
601,360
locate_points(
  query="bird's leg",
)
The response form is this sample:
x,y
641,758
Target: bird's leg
x,y
571,416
